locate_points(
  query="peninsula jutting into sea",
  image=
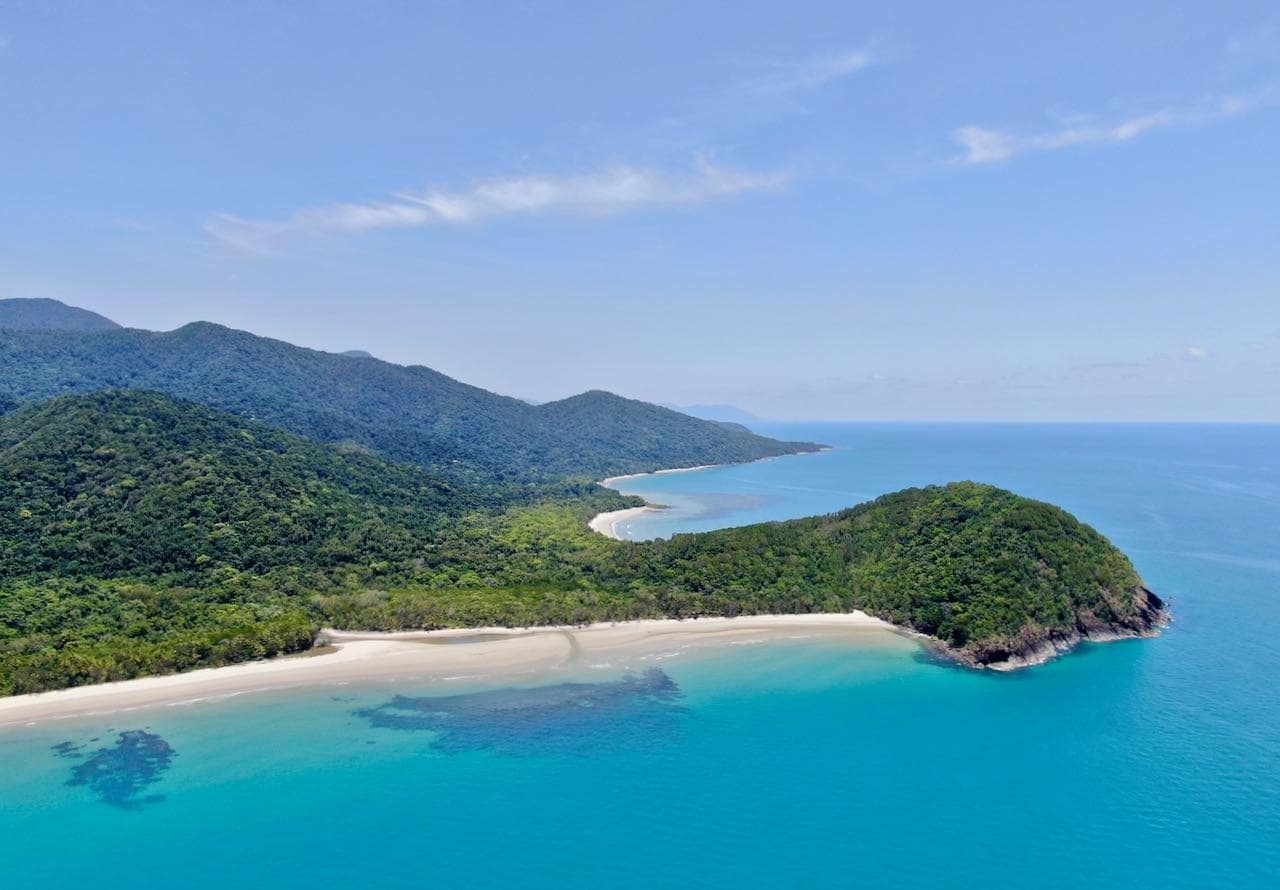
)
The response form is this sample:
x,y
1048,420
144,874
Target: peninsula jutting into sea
x,y
185,500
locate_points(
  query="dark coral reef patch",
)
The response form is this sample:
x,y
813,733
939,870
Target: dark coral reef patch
x,y
120,773
565,718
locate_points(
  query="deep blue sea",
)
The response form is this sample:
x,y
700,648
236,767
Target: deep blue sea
x,y
797,763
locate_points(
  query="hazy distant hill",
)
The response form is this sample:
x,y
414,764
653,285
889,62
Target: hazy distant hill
x,y
407,413
50,315
718,413
610,423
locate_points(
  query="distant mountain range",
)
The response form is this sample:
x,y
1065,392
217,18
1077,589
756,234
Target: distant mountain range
x,y
410,413
50,315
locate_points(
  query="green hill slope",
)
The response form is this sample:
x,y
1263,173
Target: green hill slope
x,y
411,414
137,484
50,315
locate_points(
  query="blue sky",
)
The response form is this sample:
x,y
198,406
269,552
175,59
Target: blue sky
x,y
814,211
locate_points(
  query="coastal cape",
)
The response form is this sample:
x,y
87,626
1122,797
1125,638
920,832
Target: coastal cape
x,y
984,577
143,535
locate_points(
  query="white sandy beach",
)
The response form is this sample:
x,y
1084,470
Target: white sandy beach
x,y
608,483
439,655
607,523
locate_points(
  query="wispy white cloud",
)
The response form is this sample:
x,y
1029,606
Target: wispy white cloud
x,y
813,71
985,145
1196,353
599,193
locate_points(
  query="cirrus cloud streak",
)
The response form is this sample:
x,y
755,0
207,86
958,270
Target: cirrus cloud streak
x,y
985,145
814,71
605,192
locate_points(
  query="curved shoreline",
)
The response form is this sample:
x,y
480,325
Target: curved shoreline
x,y
495,654
607,523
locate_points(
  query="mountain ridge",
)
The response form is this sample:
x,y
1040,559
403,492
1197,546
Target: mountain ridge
x,y
404,412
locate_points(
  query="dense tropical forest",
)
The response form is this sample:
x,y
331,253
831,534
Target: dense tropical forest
x,y
141,533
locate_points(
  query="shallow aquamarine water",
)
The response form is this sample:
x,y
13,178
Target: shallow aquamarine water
x,y
805,762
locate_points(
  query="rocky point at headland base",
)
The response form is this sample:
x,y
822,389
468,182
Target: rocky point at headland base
x,y
1034,647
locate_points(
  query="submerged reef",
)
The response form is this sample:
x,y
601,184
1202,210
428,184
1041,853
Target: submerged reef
x,y
637,709
118,774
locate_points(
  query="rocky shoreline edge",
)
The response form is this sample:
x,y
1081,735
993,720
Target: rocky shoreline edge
x,y
1034,649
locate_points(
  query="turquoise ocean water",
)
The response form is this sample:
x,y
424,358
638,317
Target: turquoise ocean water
x,y
794,763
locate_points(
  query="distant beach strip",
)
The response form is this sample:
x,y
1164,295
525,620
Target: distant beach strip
x,y
607,524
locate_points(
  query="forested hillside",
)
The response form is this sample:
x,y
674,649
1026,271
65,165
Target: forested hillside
x,y
609,424
409,414
138,484
987,572
140,534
